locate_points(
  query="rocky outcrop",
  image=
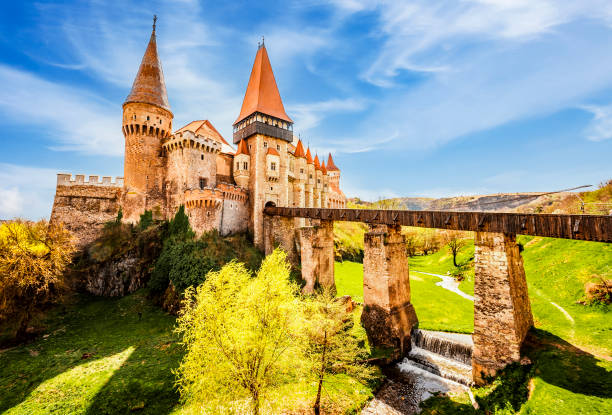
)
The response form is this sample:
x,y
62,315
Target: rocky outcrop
x,y
120,262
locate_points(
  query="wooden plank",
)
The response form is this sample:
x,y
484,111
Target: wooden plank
x,y
583,227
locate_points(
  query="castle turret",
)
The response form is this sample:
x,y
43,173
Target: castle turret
x,y
242,160
147,120
268,132
318,183
310,179
325,187
333,171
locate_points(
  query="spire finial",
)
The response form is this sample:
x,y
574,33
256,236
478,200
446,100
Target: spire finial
x,y
154,21
263,43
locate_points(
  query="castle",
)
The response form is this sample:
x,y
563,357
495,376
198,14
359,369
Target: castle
x,y
194,166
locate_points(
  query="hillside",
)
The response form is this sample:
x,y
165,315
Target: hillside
x,y
594,202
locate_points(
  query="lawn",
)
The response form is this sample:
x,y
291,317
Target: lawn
x,y
97,357
436,307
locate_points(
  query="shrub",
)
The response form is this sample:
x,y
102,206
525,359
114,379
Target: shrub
x,y
33,257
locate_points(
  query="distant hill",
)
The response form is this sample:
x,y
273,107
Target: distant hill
x,y
497,202
598,201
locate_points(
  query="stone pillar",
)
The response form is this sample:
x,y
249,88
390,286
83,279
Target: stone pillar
x,y
502,313
388,316
281,232
317,255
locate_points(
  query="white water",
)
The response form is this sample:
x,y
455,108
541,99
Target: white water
x,y
448,283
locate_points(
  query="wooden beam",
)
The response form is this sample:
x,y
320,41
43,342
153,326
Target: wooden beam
x,y
584,227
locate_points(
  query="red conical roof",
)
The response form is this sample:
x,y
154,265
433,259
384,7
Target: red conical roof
x,y
330,164
299,150
149,86
262,92
242,148
323,168
308,156
316,163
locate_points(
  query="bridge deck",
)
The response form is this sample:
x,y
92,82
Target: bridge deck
x,y
583,227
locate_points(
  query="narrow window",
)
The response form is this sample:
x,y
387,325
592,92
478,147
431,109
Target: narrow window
x,y
278,147
265,144
202,182
202,156
310,176
245,165
148,118
237,166
301,171
273,166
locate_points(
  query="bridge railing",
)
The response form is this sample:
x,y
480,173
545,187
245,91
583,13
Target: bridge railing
x,y
583,227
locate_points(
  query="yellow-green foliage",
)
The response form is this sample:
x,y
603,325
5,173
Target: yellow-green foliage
x,y
330,345
240,336
33,256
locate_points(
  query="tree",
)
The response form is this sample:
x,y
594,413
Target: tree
x,y
240,333
33,257
455,243
331,348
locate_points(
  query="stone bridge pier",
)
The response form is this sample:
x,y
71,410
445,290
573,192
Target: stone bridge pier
x,y
502,312
388,316
311,247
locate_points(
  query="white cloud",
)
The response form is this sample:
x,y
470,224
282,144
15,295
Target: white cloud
x,y
75,118
29,193
308,116
600,127
11,202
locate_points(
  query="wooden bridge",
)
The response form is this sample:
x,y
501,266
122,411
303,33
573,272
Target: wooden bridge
x,y
584,227
502,311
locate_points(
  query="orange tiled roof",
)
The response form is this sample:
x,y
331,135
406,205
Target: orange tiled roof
x,y
149,86
316,163
299,150
323,169
272,151
242,148
262,92
336,189
308,156
330,163
205,128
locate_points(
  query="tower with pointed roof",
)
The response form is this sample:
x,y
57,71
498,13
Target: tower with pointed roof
x,y
266,131
147,120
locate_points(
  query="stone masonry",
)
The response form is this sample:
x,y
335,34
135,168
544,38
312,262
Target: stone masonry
x,y
388,316
317,255
502,313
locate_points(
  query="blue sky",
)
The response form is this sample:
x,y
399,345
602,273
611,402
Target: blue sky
x,y
414,98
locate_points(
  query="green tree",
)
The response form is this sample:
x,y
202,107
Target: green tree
x,y
33,257
241,335
455,242
146,220
330,346
179,226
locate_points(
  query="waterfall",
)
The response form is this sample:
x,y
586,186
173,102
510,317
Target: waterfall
x,y
451,345
447,357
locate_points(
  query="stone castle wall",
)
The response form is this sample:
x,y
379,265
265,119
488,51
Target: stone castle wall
x,y
83,206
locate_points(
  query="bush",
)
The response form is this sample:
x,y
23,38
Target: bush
x,y
33,258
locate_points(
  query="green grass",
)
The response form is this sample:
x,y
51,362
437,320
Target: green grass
x,y
436,307
130,367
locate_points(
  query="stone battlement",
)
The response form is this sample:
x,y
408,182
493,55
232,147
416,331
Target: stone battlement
x,y
65,179
187,139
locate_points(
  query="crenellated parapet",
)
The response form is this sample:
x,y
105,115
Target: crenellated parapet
x,y
66,179
213,197
187,139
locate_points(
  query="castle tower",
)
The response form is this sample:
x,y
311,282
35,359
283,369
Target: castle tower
x,y
310,179
242,161
267,130
325,187
300,175
318,183
147,120
333,171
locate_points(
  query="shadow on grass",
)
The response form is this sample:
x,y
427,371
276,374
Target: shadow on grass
x,y
87,336
556,362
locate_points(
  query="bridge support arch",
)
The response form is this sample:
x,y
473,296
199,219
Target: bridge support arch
x,y
502,312
388,315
